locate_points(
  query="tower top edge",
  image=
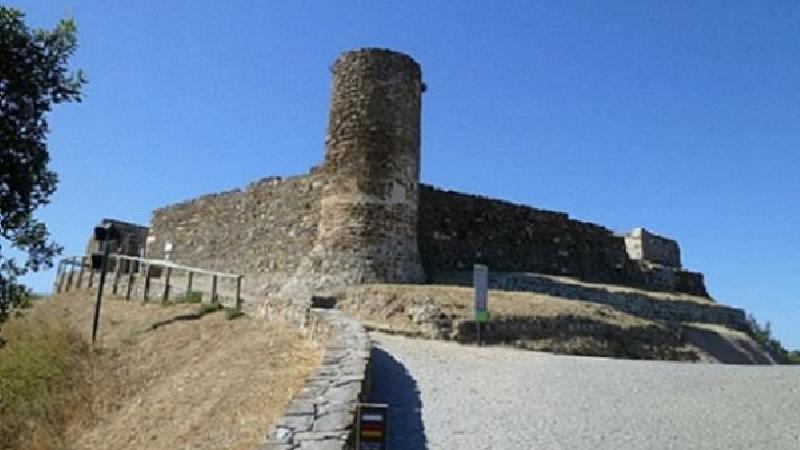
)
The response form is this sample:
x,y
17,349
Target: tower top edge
x,y
375,53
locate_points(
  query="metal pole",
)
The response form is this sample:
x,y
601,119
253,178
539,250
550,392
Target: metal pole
x,y
103,267
166,285
213,289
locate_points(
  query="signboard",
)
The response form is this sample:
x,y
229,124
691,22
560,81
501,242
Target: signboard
x,y
97,261
167,249
480,280
371,426
106,232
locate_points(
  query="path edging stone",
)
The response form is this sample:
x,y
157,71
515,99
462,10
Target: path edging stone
x,y
321,415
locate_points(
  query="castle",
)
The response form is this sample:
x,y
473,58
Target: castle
x,y
363,216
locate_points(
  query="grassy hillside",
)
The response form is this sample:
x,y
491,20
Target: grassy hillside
x,y
160,377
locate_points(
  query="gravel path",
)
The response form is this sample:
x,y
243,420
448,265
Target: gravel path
x,y
459,397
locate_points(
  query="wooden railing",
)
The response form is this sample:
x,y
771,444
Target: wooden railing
x,y
71,273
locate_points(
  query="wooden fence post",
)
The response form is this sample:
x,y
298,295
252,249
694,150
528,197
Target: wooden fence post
x,y
62,284
91,273
59,272
117,274
146,293
238,293
166,285
214,289
71,273
80,274
189,283
131,280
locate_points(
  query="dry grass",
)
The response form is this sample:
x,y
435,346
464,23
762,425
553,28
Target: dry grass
x,y
42,371
208,383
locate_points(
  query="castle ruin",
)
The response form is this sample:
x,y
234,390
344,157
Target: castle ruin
x,y
363,216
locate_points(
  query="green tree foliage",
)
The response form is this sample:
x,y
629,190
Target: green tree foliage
x,y
34,76
763,335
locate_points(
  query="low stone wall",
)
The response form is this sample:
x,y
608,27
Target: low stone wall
x,y
321,416
634,303
580,336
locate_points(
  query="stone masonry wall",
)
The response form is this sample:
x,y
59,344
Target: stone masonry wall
x,y
644,245
368,219
322,415
263,232
458,230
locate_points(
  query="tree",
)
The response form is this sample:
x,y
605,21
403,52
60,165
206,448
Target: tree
x,y
34,76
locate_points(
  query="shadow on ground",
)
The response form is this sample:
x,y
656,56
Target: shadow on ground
x,y
392,384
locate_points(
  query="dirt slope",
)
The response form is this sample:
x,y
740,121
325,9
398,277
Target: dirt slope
x,y
204,383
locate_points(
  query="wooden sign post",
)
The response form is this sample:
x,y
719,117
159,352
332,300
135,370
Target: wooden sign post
x,y
105,234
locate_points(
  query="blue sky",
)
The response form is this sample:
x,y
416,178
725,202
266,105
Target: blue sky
x,y
682,117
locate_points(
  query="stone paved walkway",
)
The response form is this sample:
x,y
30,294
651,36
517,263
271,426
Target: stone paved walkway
x,y
447,396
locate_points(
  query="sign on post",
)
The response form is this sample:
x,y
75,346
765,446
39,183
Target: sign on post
x,y
371,426
105,234
480,280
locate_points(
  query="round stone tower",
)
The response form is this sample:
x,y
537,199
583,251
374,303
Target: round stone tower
x,y
368,219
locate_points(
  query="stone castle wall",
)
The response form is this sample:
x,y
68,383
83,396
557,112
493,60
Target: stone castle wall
x,y
368,218
263,232
363,217
268,231
644,245
458,230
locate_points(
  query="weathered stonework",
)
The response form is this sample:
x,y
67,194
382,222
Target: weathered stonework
x,y
363,217
646,246
368,219
321,415
264,231
458,230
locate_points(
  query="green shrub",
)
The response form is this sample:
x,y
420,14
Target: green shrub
x,y
189,297
763,335
207,308
42,369
232,313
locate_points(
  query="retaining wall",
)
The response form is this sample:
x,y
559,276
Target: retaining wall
x,y
322,415
640,304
